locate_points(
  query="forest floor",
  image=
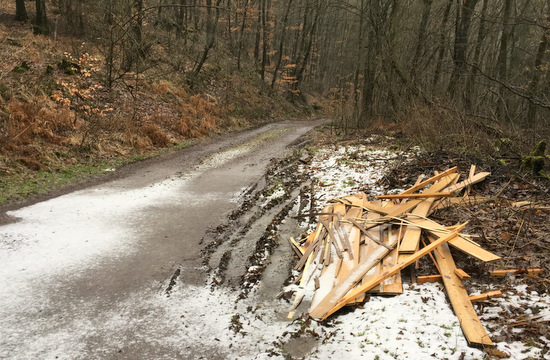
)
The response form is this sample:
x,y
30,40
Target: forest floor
x,y
226,293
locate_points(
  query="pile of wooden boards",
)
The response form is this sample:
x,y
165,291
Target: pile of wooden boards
x,y
361,246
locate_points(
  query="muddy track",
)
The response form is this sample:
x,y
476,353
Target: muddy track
x,y
240,251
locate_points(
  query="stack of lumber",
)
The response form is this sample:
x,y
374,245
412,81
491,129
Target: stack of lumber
x,y
361,246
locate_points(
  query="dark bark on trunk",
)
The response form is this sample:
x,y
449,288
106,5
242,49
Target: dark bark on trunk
x,y
41,25
461,47
258,33
441,50
211,28
281,44
482,30
421,37
20,10
241,35
538,71
264,39
502,61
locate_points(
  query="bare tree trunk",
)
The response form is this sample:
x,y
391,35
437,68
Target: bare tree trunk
x,y
502,61
441,50
211,28
421,37
537,69
461,47
258,33
41,25
264,38
241,35
281,44
482,30
20,10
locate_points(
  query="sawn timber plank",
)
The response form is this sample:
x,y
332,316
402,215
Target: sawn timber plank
x,y
469,321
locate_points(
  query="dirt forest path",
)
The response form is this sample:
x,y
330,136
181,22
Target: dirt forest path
x,y
77,271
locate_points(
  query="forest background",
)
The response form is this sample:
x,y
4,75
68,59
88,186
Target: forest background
x,y
87,85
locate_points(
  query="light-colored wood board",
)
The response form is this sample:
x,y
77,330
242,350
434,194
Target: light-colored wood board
x,y
374,282
400,209
348,283
327,279
411,239
468,182
393,285
503,272
460,243
469,321
371,246
485,296
428,279
429,181
415,196
347,257
461,273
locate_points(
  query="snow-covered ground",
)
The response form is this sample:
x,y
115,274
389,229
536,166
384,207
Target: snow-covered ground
x,y
212,322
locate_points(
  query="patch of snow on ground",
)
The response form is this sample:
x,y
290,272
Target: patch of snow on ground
x,y
348,169
414,325
501,312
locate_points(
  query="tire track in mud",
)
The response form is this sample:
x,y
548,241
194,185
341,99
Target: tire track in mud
x,y
240,250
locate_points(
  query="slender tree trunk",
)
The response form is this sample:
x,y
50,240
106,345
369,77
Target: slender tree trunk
x,y
461,47
264,39
41,25
281,44
358,61
20,10
258,33
211,28
441,50
241,35
476,61
421,37
502,61
538,70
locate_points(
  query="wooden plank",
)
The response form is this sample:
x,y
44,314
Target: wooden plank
x,y
347,257
460,273
347,284
485,296
460,243
353,200
428,279
326,311
471,325
412,235
414,196
468,182
430,181
529,272
409,205
394,284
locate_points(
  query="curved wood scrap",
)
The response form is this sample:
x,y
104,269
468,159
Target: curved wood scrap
x,y
326,311
469,322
